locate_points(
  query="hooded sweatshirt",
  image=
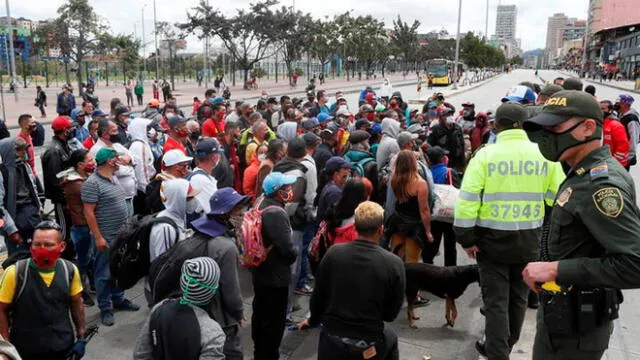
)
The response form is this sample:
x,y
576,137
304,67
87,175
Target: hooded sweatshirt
x,y
480,133
163,236
386,89
141,152
71,182
388,145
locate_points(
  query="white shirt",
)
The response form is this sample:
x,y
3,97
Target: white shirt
x,y
126,174
144,168
207,185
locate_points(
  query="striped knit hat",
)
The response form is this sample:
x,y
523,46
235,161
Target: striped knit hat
x,y
199,281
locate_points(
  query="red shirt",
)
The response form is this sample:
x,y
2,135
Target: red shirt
x,y
171,144
32,156
196,105
212,129
88,143
615,136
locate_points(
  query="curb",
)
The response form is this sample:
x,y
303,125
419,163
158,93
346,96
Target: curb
x,y
351,90
603,84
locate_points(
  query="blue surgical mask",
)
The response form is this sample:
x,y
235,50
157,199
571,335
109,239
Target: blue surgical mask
x,y
433,113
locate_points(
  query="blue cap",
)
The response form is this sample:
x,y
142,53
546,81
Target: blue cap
x,y
224,200
216,100
98,112
519,93
275,181
432,105
622,98
336,163
175,120
322,117
208,146
376,128
75,113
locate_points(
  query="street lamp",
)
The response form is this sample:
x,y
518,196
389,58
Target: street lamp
x,y
155,33
12,53
144,44
455,64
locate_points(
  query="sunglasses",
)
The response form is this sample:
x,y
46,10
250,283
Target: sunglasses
x,y
48,225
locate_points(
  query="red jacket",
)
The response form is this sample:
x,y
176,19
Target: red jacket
x,y
211,128
615,136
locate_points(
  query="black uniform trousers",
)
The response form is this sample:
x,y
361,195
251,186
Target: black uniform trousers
x,y
330,348
268,321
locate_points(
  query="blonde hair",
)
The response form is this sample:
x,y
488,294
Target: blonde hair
x,y
369,216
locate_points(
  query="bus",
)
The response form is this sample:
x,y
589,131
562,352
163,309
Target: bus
x,y
442,71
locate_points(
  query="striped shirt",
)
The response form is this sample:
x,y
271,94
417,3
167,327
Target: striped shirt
x,y
111,208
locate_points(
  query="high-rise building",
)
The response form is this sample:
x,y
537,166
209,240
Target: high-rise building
x,y
506,22
555,34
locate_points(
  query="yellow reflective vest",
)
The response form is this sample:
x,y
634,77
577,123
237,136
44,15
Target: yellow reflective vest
x,y
502,199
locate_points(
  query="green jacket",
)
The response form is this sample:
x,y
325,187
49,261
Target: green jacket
x,y
138,89
500,207
595,226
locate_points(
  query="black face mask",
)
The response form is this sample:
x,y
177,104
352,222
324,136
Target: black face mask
x,y
607,114
195,135
71,133
114,138
33,128
81,121
616,107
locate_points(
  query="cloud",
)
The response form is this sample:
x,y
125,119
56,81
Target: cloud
x,y
433,15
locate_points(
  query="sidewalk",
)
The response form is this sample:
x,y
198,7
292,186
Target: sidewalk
x,y
185,91
624,85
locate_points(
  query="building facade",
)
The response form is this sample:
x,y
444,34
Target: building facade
x,y
555,33
506,21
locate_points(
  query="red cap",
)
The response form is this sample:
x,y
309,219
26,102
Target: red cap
x,y
370,96
468,103
61,123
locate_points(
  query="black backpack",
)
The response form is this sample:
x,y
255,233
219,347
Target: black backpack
x,y
129,256
164,274
38,136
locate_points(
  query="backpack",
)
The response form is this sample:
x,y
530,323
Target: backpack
x,y
165,270
22,268
4,131
251,248
318,247
194,173
358,167
216,83
129,256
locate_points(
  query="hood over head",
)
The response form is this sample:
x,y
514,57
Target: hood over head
x,y
8,152
138,129
174,197
390,127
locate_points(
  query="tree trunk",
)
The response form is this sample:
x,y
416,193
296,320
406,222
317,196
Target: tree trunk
x,y
79,73
246,78
46,73
106,72
66,72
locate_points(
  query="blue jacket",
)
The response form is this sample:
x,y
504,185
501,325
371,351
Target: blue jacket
x,y
439,172
63,108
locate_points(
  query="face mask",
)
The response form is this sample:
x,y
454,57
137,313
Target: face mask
x,y
276,108
195,135
262,157
182,133
371,116
45,258
192,206
607,114
116,165
466,113
114,138
168,115
287,197
553,145
151,133
433,113
81,121
94,136
71,133
33,128
616,107
89,167
445,160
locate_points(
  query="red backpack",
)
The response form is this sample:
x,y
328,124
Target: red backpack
x,y
252,249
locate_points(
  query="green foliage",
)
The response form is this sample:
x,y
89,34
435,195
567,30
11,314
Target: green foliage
x,y
294,34
476,54
299,71
258,73
516,60
404,39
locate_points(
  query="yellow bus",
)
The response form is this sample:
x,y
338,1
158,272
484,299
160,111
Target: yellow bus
x,y
441,71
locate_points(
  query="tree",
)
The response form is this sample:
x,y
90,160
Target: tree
x,y
477,54
323,43
247,36
516,60
76,31
404,39
293,36
170,35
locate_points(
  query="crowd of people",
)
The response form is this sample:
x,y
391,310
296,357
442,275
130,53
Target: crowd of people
x,y
318,173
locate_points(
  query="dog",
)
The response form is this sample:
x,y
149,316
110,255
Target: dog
x,y
446,282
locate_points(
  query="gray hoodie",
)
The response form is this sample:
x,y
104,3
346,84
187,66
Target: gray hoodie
x,y
388,144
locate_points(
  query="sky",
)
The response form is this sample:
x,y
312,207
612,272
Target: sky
x,y
125,16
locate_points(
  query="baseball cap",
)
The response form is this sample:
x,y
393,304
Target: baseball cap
x,y
358,136
443,110
216,100
572,84
370,96
20,144
405,137
154,103
224,200
272,100
322,117
468,103
380,108
208,146
275,181
98,112
366,108
175,120
61,123
310,123
625,99
550,89
511,114
310,140
376,128
564,105
436,153
122,110
432,105
415,128
175,156
336,163
519,93
105,154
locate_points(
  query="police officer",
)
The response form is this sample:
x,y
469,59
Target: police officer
x,y
593,247
498,216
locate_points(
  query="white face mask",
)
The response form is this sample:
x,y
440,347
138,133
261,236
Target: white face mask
x,y
151,133
262,157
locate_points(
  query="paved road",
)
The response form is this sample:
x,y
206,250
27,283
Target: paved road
x,y
432,338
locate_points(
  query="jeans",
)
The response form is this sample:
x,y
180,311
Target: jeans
x,y
307,237
438,230
129,203
106,289
84,244
139,98
296,238
268,321
331,348
41,107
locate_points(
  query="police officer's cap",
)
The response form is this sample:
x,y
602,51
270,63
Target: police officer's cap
x,y
511,115
564,105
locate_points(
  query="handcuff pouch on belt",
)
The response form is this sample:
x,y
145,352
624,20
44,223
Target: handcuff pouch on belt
x,y
573,310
